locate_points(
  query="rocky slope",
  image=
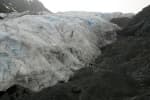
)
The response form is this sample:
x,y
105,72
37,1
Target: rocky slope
x,y
139,25
34,6
122,21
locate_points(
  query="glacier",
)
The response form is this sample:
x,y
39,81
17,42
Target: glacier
x,y
38,51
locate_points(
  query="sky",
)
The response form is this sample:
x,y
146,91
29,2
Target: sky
x,y
125,6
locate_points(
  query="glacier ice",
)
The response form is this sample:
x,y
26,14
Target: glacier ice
x,y
38,51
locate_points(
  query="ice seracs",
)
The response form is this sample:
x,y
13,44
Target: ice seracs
x,y
38,51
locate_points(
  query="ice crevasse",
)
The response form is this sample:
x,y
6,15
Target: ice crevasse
x,y
38,51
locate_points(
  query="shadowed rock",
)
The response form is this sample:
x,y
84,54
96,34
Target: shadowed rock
x,y
122,22
33,6
139,25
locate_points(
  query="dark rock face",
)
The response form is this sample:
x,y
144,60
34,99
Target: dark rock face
x,y
130,56
121,22
33,6
139,25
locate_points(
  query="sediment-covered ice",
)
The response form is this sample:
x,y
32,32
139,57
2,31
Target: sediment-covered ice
x,y
38,51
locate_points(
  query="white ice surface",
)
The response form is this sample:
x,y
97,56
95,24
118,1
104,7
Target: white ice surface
x,y
38,51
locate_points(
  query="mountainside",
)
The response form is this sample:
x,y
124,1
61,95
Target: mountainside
x,y
34,6
121,22
139,25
